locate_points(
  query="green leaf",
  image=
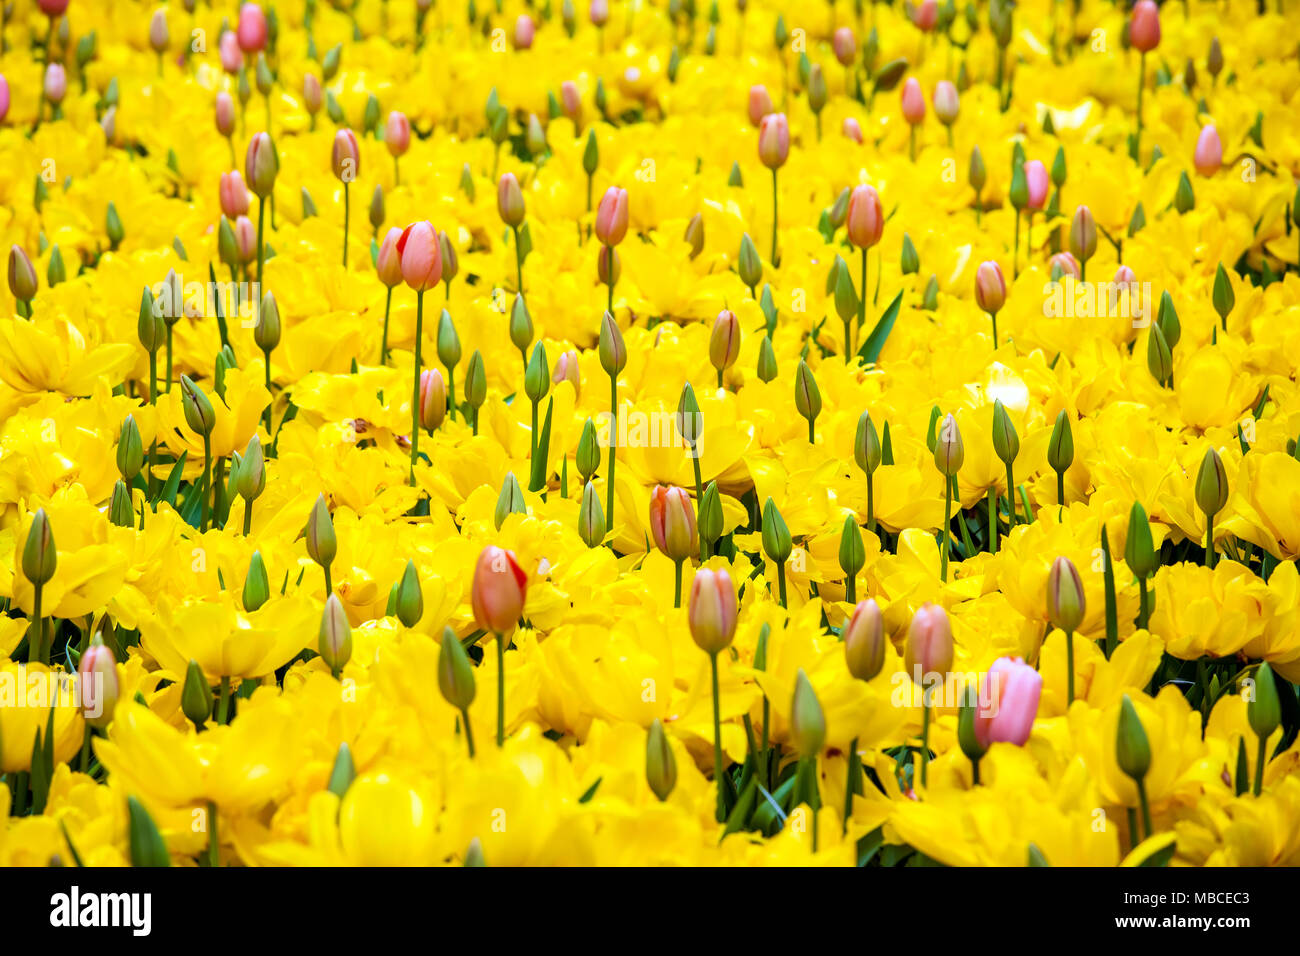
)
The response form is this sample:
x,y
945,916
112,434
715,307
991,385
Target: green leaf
x,y
740,814
343,773
1161,857
875,343
147,845
869,846
173,482
537,479
591,791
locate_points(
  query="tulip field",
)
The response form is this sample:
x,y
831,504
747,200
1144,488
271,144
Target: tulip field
x,y
649,432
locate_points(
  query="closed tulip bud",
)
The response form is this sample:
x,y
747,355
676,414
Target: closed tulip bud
x,y
672,522
1066,604
749,266
56,272
710,521
262,75
1223,297
225,114
537,375
660,764
946,102
1083,234
1132,749
967,737
613,351
40,558
817,93
120,510
150,328
1060,448
448,341
56,83
1264,710
475,381
712,610
865,219
688,420
130,449
499,589
388,263
335,644
232,58
724,341
774,140
171,299
410,599
977,174
1160,358
776,536
1214,59
345,156
1184,196
455,671
266,334
807,396
510,201
1006,443
591,517
1208,157
1059,168
377,207
261,165
252,31
1144,26
694,236
1167,320
321,542
450,260
22,276
1211,484
1064,264
244,90
925,15
913,101
949,451
864,640
1036,183
245,239
612,216
844,45
257,586
571,101
397,133
929,646
866,445
760,104
909,261
535,136
990,287
852,129
1011,691
311,94
521,324
433,399
591,155
1139,550
588,455
1018,191
196,695
158,33
233,195
607,273
510,500
767,370
807,722
199,413
420,255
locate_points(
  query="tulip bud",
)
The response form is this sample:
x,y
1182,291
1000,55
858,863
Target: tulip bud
x,y
252,31
262,75
913,101
949,451
672,522
1018,191
510,201
608,265
1264,710
612,216
1059,168
1167,320
266,334
1132,750
1223,297
335,644
760,104
377,207
1160,359
866,445
865,220
807,397
130,449
1139,551
227,244
448,341
158,33
1060,448
844,45
388,264
150,328
710,520
749,266
724,341
22,276
587,458
776,536
660,764
455,671
510,500
1214,59
410,599
1083,234
311,94
40,557
233,195
909,261
433,399
498,592
817,93
420,255
767,370
199,413
1036,184
774,140
257,586
613,352
1144,26
1208,157
864,640
946,102
345,156
695,235
397,133
196,695
56,83
566,370
261,165
689,422
1184,196
1006,443
321,542
1211,484
120,510
712,610
990,287
591,517
1066,604
807,722
929,647
967,719
591,158
977,174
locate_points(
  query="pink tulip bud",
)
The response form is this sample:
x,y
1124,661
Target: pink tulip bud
x,y
566,370
724,340
56,82
234,195
845,46
1083,234
261,165
1144,26
946,102
865,220
1124,276
672,522
760,103
510,201
990,287
225,110
611,216
397,133
712,611
420,255
599,12
252,28
929,645
388,262
1037,182
913,101
232,58
608,274
1069,266
433,399
158,33
53,8
499,588
311,93
4,98
345,158
571,101
926,15
524,30
1209,151
246,238
774,140
1008,703
98,685
852,129
864,640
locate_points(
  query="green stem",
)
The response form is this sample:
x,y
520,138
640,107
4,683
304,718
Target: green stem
x,y
383,345
1011,500
1210,556
780,582
1144,610
1259,765
415,383
993,519
214,858
1146,808
501,690
266,365
223,704
1132,828
38,625
207,482
871,503
717,741
850,779
1069,668
925,734
248,517
169,357
677,590
1015,251
347,219
699,503
975,772
774,219
519,262
1142,76
994,317
862,304
943,532
451,391
469,734
613,441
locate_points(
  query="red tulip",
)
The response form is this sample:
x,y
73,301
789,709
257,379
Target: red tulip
x,y
1144,26
252,28
498,591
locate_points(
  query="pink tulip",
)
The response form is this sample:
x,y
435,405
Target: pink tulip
x,y
421,256
611,216
566,370
760,103
1144,27
913,101
1124,276
946,102
571,101
225,111
345,156
99,688
524,30
1009,699
1208,157
56,82
852,129
845,45
990,287
599,12
261,165
712,610
774,140
926,15
433,399
1069,265
865,220
672,521
245,238
397,133
311,93
388,262
1037,181
510,201
929,646
234,195
499,589
232,58
252,28
4,98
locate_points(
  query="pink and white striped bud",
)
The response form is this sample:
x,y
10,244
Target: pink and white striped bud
x,y
724,340
225,114
774,140
510,201
433,399
599,12
913,101
234,195
98,685
566,370
852,129
946,102
612,216
245,238
672,522
1066,264
990,287
345,156
571,101
56,83
712,610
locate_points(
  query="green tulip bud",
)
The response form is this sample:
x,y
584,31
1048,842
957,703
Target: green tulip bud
x,y
1184,197
1006,443
807,722
1060,448
853,554
689,421
1066,605
807,397
410,599
149,327
1139,551
335,644
949,450
257,586
966,737
776,536
455,672
866,445
1167,319
252,471
266,334
199,413
1058,167
1264,711
120,510
1132,749
308,209
846,297
735,178
521,324
978,174
476,381
910,261
749,266
591,517
1160,359
322,545
113,227
613,351
196,695
590,154
537,376
510,500
1019,191
588,456
710,520
660,764
448,341
1211,484
342,773
130,449
767,370
1224,299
